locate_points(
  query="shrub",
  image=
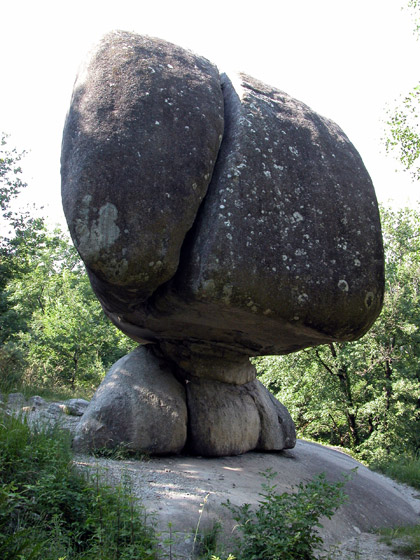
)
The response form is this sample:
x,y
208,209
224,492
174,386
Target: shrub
x,y
285,525
49,510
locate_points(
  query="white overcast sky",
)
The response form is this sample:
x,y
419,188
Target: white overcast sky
x,y
347,59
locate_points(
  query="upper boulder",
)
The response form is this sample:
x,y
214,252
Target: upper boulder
x,y
264,244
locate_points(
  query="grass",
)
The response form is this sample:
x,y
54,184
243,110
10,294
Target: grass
x,y
404,540
49,510
404,468
50,393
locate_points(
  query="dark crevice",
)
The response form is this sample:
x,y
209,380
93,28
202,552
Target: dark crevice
x,y
232,109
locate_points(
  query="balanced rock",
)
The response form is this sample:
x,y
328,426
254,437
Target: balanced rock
x,y
218,219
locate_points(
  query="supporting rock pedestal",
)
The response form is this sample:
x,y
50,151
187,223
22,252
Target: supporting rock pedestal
x,y
142,405
218,219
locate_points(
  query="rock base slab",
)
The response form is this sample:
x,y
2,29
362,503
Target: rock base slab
x,y
144,407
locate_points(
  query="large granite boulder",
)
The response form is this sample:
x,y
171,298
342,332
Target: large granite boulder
x,y
218,219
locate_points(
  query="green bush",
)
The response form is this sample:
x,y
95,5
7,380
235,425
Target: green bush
x,y
49,510
285,525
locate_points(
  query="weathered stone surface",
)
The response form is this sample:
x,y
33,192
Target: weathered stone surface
x,y
76,407
265,243
139,404
227,419
139,146
37,401
286,250
209,361
286,247
277,427
16,400
223,418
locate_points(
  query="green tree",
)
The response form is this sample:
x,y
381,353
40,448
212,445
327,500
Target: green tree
x,y
52,328
364,395
10,174
63,331
402,137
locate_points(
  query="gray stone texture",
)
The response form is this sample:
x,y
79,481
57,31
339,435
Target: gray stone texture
x,y
227,419
139,404
76,407
281,251
217,221
289,232
140,142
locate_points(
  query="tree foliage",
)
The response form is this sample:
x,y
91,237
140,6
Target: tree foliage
x,y
52,328
364,395
403,134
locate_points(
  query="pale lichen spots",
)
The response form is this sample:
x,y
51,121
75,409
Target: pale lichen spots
x,y
267,174
293,150
103,232
343,285
357,262
369,299
303,298
157,123
297,217
229,236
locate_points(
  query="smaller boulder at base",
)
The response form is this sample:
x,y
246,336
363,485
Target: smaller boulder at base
x,y
227,419
140,405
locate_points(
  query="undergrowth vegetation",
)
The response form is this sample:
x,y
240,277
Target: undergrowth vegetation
x,y
403,540
51,511
285,525
404,468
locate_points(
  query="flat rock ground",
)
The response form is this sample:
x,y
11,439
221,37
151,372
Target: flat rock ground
x,y
175,488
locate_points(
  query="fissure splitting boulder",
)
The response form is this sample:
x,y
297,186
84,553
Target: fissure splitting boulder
x,y
218,219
